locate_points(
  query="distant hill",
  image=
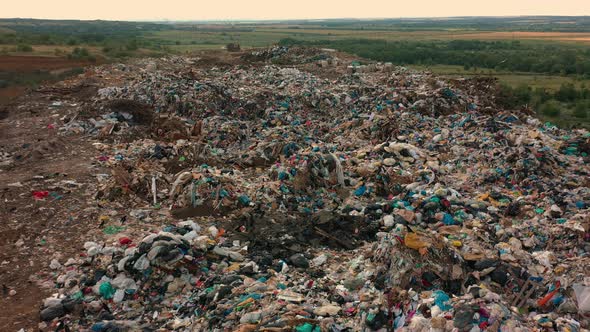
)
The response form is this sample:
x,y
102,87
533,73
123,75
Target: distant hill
x,y
514,23
74,27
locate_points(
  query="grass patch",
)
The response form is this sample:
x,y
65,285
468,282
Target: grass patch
x,y
549,82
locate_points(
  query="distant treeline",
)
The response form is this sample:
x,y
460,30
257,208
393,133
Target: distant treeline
x,y
523,23
515,56
74,27
116,45
566,100
95,33
116,38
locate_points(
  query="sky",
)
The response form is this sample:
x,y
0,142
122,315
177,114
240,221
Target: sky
x,y
280,9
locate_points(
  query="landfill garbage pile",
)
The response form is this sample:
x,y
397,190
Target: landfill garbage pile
x,y
262,197
291,55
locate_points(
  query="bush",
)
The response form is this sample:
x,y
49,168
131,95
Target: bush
x,y
523,94
513,97
581,109
132,45
567,92
24,48
79,53
542,95
550,108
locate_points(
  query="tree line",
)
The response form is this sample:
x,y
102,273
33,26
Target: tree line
x,y
514,56
567,99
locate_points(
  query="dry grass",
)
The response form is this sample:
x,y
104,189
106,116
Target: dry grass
x,y
48,50
501,35
268,35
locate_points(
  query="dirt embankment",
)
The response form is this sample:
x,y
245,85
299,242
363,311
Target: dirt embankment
x,y
17,73
34,63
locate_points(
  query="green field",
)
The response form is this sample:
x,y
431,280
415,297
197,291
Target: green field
x,y
514,79
265,36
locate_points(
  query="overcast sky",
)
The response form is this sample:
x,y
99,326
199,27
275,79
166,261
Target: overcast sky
x,y
278,9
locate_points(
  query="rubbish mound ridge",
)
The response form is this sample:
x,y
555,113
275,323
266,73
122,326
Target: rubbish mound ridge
x,y
323,195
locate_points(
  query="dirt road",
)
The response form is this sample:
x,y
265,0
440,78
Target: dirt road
x,y
32,230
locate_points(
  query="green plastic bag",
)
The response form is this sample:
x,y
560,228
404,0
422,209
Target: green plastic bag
x,y
106,290
307,327
110,230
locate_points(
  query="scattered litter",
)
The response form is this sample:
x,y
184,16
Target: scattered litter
x,y
322,195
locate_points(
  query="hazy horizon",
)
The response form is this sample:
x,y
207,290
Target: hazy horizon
x,y
165,20
266,10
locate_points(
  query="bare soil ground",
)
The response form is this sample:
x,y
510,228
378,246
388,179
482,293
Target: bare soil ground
x,y
32,63
6,94
32,230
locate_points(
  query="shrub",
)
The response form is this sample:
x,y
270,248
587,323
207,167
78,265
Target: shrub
x,y
24,48
566,92
79,53
132,45
550,108
581,109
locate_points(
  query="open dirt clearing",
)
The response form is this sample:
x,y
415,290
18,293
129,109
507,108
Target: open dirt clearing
x,y
41,227
32,63
35,69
